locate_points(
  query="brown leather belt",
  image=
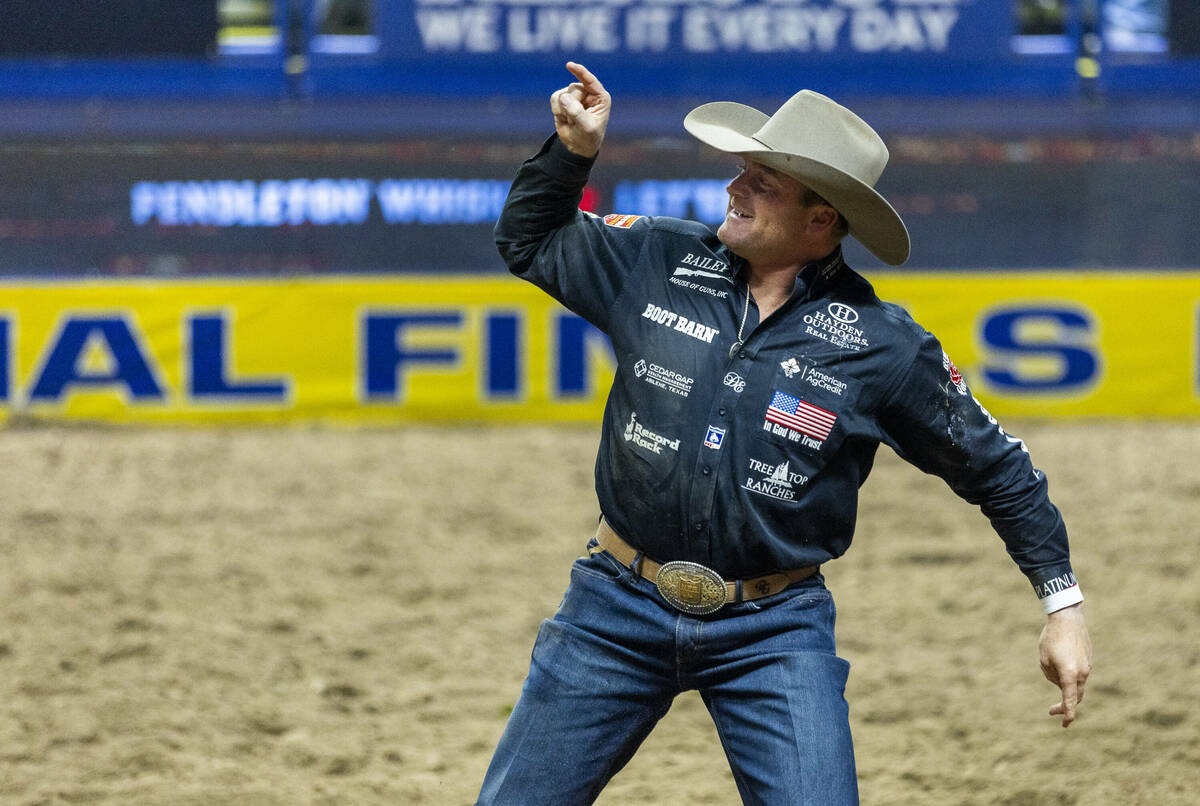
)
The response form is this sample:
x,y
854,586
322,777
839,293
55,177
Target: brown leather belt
x,y
691,587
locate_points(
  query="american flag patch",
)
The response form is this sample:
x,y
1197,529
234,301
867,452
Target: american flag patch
x,y
622,221
796,414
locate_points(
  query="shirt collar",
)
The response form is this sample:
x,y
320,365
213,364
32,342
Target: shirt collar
x,y
811,280
816,275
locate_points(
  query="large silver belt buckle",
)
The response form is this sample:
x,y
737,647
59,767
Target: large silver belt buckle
x,y
691,587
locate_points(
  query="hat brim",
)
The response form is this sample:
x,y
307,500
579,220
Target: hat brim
x,y
729,127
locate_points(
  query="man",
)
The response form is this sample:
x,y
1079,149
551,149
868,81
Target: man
x,y
756,376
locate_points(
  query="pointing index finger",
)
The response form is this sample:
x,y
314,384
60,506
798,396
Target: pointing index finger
x,y
589,81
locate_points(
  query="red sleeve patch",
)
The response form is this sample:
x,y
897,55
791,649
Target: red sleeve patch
x,y
956,377
622,221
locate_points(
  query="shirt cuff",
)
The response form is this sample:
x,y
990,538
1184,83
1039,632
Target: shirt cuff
x,y
1064,598
563,163
1058,592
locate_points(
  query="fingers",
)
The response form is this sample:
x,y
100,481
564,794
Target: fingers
x,y
572,101
1070,698
1072,685
586,78
581,111
1066,659
586,93
571,118
561,100
1066,708
556,105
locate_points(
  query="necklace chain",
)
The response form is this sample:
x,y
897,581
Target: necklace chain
x,y
745,312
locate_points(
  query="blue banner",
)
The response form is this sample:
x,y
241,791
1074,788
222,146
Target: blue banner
x,y
682,30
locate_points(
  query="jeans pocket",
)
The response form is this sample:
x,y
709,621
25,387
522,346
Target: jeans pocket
x,y
806,597
599,565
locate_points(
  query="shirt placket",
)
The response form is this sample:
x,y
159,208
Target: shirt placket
x,y
722,414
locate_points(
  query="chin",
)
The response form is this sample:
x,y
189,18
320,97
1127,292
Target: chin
x,y
733,247
728,238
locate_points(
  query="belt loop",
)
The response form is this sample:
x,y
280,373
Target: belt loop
x,y
636,565
738,593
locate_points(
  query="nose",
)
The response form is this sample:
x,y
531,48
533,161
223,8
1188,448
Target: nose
x,y
737,185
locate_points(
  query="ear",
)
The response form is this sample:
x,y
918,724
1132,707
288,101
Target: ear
x,y
824,219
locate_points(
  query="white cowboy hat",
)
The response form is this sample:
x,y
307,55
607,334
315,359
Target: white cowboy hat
x,y
823,145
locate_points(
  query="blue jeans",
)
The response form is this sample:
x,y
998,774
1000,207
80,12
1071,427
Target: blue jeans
x,y
607,666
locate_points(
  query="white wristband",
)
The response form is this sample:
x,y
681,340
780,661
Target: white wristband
x,y
1063,598
1058,592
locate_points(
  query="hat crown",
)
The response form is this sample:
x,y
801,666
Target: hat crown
x,y
819,128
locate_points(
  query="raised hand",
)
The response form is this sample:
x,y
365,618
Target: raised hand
x,y
581,111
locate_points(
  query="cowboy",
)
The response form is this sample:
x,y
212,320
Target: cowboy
x,y
756,376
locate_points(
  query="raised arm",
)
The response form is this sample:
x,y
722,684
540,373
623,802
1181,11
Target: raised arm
x,y
543,237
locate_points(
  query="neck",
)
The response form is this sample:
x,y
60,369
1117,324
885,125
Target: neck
x,y
771,286
771,289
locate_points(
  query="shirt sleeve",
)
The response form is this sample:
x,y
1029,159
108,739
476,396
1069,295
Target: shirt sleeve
x,y
580,259
934,422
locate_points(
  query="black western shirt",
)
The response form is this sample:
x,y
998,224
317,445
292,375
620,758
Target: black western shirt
x,y
747,455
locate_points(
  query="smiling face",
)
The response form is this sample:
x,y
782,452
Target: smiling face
x,y
768,224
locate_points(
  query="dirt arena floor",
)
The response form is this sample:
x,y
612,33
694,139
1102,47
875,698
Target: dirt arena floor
x,y
322,616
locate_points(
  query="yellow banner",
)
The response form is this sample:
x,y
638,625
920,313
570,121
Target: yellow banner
x,y
1065,344
492,348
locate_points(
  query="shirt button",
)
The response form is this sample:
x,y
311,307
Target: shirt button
x,y
721,411
741,354
699,527
706,471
